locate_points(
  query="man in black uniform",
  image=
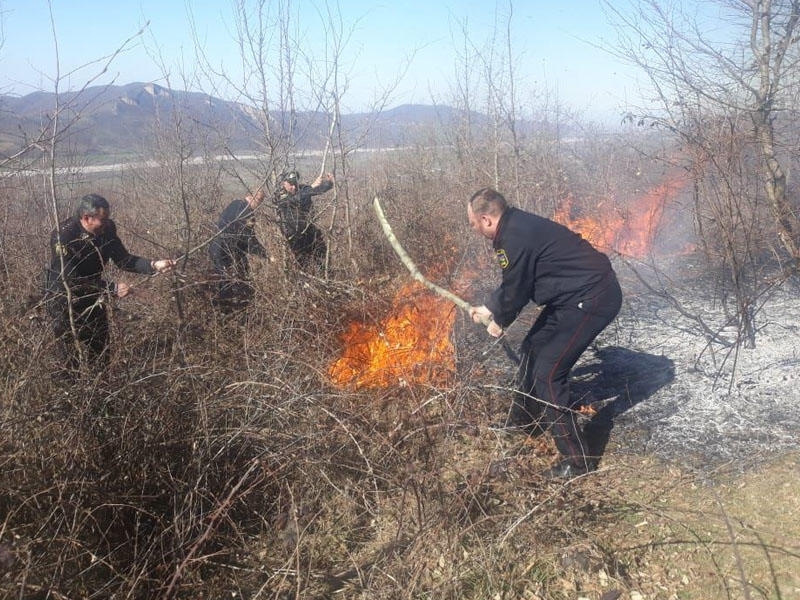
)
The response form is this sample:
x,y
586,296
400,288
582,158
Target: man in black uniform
x,y
295,207
544,262
235,239
76,295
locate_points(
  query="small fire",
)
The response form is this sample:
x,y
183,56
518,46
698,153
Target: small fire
x,y
411,345
631,232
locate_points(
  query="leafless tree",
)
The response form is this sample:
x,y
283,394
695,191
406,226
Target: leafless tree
x,y
2,27
330,86
485,80
50,145
278,81
509,134
723,81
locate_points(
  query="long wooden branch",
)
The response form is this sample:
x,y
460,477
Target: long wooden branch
x,y
412,268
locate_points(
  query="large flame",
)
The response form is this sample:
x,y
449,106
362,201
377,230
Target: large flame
x,y
411,345
630,232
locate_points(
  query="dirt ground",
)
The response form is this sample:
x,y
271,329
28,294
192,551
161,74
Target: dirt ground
x,y
641,527
685,535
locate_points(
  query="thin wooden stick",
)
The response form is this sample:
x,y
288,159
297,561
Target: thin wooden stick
x,y
412,268
327,147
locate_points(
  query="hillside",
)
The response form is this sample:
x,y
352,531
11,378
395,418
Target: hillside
x,y
123,120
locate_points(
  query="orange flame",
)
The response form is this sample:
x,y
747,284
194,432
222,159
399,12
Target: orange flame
x,y
411,345
631,233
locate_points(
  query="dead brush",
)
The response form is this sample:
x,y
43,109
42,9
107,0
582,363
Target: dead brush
x,y
214,455
130,481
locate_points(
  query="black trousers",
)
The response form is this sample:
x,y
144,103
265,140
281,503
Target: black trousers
x,y
91,326
549,351
308,246
232,295
233,290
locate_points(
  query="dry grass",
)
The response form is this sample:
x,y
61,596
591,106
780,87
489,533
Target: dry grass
x,y
214,457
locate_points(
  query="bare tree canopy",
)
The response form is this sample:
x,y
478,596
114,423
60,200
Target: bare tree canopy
x,y
735,63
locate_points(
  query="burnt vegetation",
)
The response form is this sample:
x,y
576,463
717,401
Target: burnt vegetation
x,y
215,456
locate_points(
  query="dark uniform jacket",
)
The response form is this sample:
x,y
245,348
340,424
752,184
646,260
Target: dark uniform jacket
x,y
236,238
295,209
543,262
84,256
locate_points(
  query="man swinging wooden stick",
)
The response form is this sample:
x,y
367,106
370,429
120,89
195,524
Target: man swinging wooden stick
x,y
543,262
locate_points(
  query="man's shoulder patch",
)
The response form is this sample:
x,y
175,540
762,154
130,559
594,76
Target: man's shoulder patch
x,y
502,258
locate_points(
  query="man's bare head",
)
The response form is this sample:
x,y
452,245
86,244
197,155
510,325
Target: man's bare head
x,y
488,201
93,212
484,210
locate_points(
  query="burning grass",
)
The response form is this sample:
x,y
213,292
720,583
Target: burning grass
x,y
219,457
410,345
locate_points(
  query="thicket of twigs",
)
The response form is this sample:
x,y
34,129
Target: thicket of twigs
x,y
214,455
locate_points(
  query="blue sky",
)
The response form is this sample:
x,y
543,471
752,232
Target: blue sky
x,y
553,43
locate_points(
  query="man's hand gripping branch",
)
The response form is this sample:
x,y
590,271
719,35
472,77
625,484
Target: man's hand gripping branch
x,y
482,315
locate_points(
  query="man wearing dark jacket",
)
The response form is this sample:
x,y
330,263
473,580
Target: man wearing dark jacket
x,y
76,295
295,207
235,239
544,262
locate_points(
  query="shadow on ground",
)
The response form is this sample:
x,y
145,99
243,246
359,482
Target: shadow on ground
x,y
615,372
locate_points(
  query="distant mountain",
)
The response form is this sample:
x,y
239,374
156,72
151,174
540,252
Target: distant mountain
x,y
113,121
